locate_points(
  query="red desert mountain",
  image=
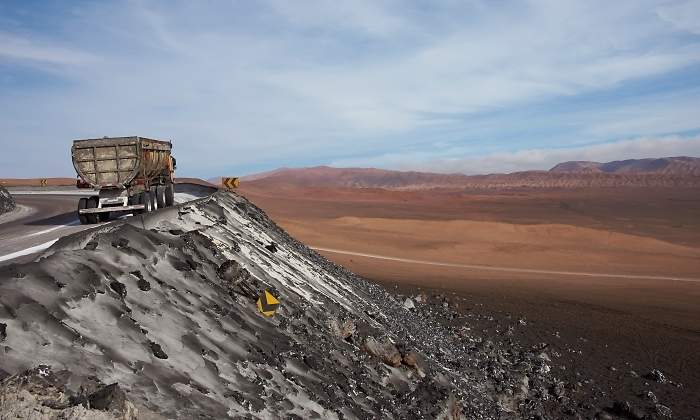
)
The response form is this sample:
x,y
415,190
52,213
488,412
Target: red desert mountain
x,y
677,166
662,172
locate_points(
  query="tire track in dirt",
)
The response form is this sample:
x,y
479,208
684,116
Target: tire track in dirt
x,y
506,269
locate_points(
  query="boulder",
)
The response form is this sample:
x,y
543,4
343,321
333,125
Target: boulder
x,y
41,394
408,304
343,329
386,351
656,375
413,360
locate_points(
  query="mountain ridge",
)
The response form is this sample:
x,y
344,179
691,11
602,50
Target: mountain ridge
x,y
677,165
660,172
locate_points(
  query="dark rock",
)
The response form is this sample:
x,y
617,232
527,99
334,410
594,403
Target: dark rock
x,y
649,396
118,288
179,264
120,243
238,280
109,398
91,246
272,247
663,411
144,285
558,389
625,410
656,375
3,331
157,350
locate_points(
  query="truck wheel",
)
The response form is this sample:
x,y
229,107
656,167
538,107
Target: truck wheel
x,y
154,202
160,196
82,204
92,204
104,217
146,199
169,195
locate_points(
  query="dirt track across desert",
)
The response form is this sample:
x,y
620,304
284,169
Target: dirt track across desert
x,y
505,269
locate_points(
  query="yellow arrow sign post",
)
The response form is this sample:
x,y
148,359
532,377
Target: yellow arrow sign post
x,y
267,303
230,183
44,182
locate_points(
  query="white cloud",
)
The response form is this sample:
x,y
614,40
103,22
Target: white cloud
x,y
684,15
18,48
280,83
540,159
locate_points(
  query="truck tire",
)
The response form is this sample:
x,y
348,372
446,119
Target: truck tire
x,y
160,196
146,199
169,195
82,204
154,204
92,204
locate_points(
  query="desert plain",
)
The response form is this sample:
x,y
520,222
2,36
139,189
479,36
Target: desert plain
x,y
612,271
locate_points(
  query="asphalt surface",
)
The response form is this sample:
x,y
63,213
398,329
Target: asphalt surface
x,y
42,218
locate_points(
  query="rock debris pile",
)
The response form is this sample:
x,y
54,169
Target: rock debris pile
x,y
7,203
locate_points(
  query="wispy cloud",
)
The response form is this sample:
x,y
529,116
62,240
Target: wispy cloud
x,y
683,15
539,159
22,49
243,86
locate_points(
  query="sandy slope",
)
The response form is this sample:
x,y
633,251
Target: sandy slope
x,y
531,247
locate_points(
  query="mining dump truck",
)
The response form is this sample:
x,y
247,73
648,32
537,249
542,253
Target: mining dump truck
x,y
127,174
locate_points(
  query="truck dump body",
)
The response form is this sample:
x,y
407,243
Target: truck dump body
x,y
115,162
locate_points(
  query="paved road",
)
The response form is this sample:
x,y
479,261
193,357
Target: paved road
x,y
41,220
505,269
46,216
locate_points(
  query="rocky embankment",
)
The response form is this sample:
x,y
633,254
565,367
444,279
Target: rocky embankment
x,y
158,314
7,203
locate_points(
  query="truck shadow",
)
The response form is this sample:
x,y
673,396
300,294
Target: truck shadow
x,y
56,220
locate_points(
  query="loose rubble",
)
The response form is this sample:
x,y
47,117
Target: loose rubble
x,y
7,203
41,394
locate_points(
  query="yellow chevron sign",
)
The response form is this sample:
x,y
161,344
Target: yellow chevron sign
x,y
230,183
267,304
44,182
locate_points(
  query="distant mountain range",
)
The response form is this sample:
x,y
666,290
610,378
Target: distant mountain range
x,y
676,166
662,172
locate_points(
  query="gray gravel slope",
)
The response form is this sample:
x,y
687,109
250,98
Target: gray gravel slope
x,y
7,203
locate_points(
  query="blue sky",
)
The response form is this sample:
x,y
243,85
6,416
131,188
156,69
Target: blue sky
x,y
447,86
